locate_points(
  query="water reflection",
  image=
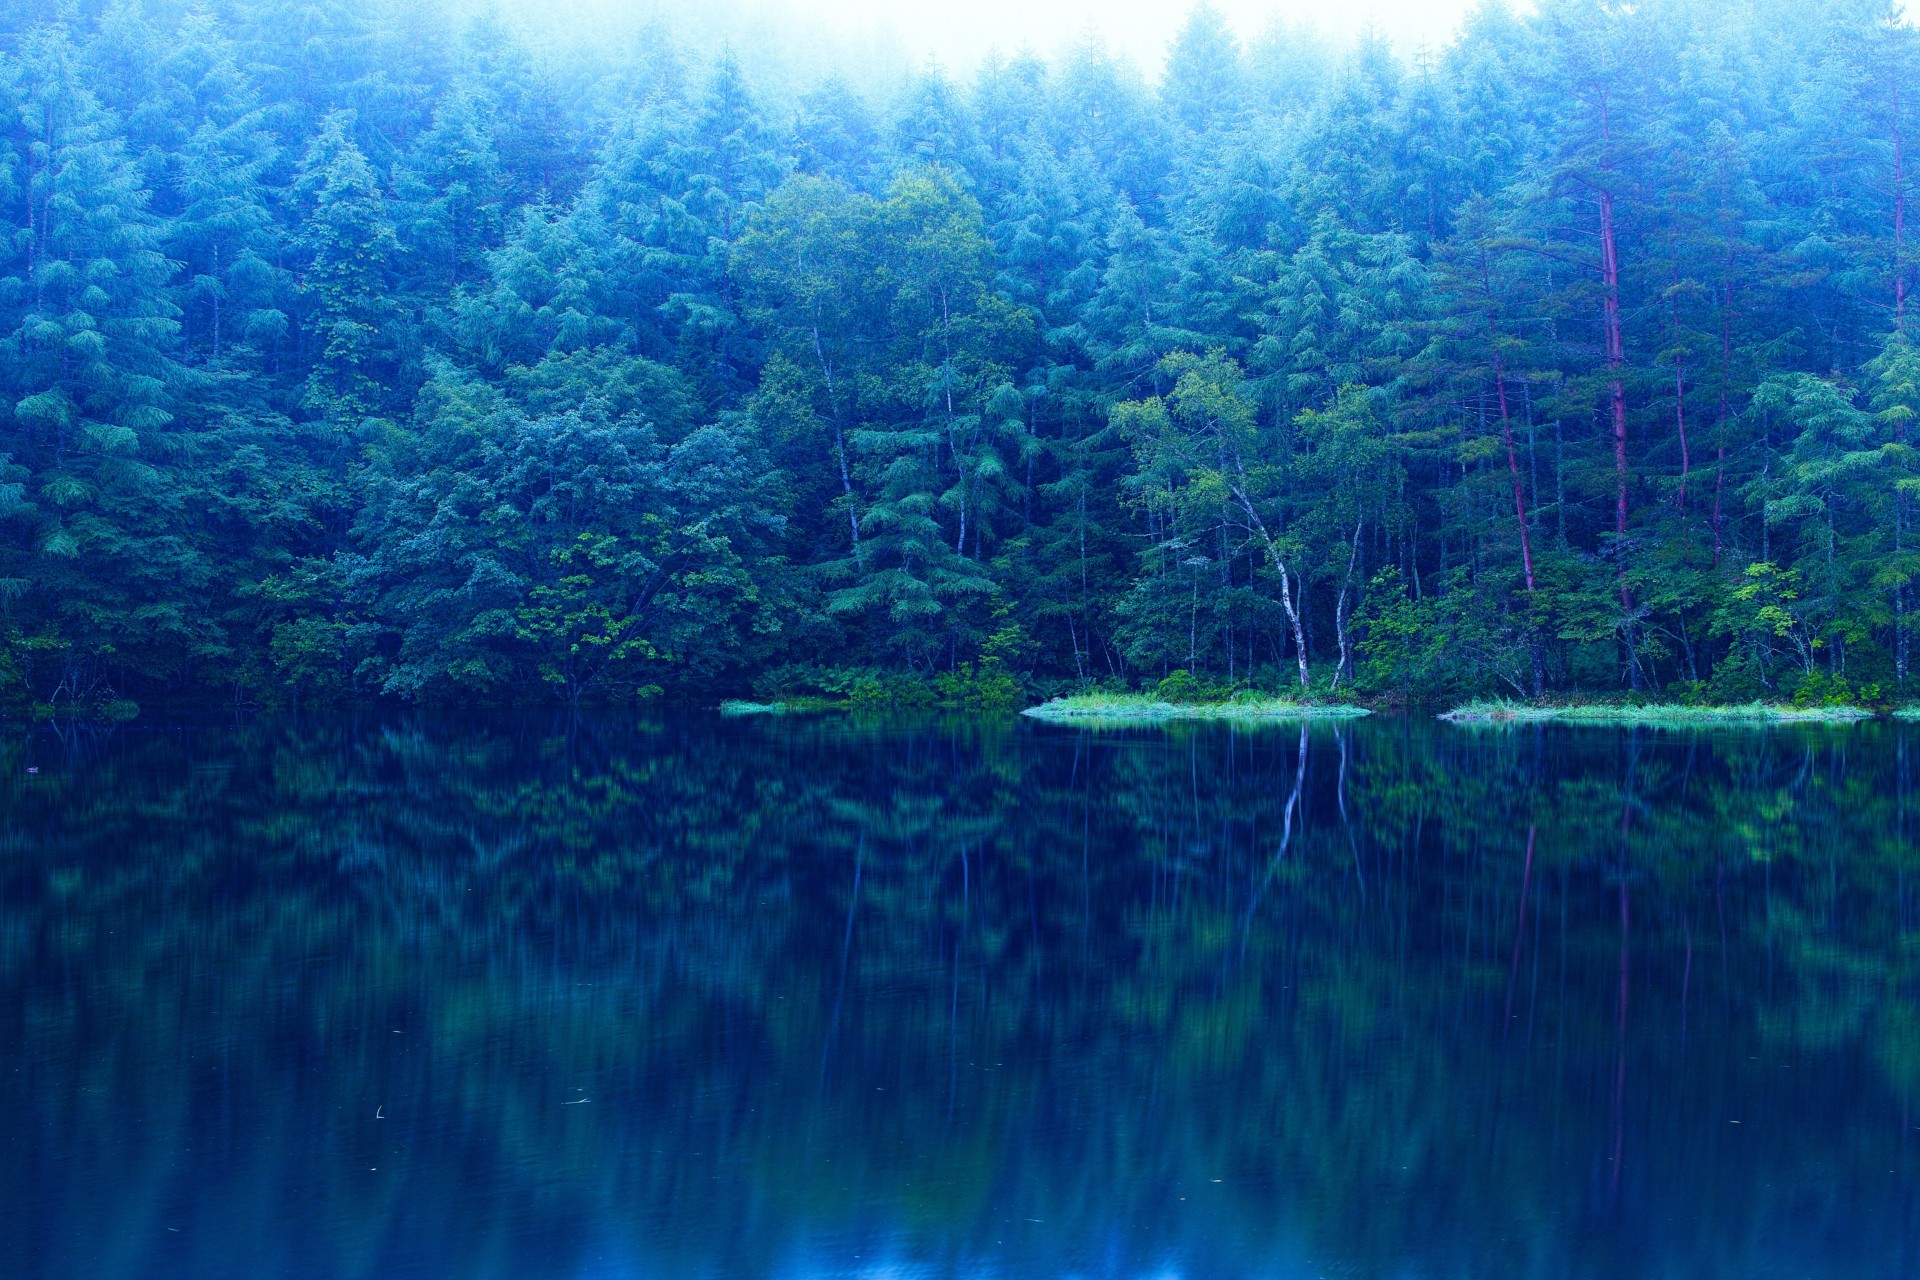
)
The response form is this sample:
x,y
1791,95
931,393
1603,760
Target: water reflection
x,y
412,997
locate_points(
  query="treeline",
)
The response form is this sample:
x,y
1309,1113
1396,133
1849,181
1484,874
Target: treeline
x,y
352,351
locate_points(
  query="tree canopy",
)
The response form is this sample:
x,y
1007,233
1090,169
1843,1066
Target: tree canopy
x,y
348,351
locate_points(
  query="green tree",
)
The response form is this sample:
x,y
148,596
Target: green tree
x,y
349,246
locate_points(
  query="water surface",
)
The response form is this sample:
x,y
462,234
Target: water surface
x,y
418,997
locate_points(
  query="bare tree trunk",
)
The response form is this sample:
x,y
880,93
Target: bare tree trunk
x,y
1340,609
1286,588
839,444
1513,466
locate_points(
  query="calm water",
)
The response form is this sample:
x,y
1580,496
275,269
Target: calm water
x,y
416,997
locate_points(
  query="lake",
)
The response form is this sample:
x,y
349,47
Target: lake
x,y
683,996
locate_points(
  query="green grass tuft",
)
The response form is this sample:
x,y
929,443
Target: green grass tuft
x,y
1140,708
1503,711
781,706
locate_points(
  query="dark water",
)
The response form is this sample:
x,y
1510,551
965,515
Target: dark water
x,y
412,997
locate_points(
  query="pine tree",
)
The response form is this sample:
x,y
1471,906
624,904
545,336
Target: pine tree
x,y
223,231
452,189
349,246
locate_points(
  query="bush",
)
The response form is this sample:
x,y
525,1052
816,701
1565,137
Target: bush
x,y
1179,686
889,691
988,686
1819,689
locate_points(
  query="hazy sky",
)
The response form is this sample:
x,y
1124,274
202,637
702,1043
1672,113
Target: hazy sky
x,y
955,33
958,31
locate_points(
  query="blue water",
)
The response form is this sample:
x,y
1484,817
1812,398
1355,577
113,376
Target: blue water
x,y
530,998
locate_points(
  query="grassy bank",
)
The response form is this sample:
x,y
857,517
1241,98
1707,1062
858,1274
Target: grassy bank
x,y
1145,709
1500,711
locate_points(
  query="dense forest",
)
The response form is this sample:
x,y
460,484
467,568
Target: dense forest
x,y
352,350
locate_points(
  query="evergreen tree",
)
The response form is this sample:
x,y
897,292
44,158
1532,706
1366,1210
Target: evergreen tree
x,y
349,245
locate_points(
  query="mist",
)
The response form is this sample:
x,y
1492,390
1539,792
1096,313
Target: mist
x,y
877,43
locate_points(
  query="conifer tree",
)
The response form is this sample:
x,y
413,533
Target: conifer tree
x,y
349,247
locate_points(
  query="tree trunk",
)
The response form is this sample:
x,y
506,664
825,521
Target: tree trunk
x,y
1899,213
1720,427
1286,588
1340,609
1616,350
1616,394
1899,319
1680,391
1519,505
216,300
1513,468
1616,358
839,444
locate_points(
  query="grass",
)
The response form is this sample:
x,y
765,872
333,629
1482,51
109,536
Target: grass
x,y
1502,711
779,707
1145,709
1907,713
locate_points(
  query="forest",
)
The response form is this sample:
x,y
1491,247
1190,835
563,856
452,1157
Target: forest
x,y
351,349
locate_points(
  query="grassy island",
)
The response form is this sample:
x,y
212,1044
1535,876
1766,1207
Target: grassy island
x,y
780,706
1651,713
1143,708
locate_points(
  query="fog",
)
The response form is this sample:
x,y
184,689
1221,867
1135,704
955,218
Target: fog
x,y
960,33
871,41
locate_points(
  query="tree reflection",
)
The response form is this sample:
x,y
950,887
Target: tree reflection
x,y
742,998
